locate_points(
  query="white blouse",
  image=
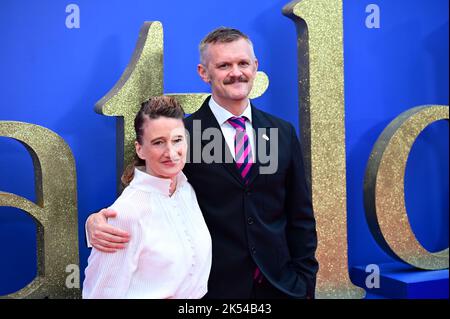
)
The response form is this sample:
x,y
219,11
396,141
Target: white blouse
x,y
169,252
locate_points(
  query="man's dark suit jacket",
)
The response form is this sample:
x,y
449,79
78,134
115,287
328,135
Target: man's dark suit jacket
x,y
267,223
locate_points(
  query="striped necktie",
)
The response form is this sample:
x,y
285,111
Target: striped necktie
x,y
242,148
244,161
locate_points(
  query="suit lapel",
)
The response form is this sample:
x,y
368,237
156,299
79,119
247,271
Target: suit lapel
x,y
261,127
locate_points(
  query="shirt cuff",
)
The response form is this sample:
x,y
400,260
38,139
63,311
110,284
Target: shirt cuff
x,y
88,243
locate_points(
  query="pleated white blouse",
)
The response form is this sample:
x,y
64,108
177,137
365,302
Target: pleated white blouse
x,y
169,253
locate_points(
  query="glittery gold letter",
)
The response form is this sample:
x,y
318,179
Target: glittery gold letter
x,y
384,188
55,212
142,79
321,93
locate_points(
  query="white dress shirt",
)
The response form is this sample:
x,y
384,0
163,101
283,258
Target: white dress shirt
x,y
169,253
222,115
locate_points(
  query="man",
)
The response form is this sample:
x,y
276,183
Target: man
x,y
262,225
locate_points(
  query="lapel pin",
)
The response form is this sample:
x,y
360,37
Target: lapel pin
x,y
264,136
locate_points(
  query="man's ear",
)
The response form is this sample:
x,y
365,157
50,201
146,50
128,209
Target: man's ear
x,y
201,70
138,148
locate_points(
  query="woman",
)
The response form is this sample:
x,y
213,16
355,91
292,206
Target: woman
x,y
169,253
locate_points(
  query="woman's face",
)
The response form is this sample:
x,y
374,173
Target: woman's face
x,y
163,146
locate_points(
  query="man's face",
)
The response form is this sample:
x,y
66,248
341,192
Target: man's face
x,y
230,68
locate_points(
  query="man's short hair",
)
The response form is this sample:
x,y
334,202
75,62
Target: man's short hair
x,y
221,35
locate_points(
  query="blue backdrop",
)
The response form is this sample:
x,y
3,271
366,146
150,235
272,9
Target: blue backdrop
x,y
52,76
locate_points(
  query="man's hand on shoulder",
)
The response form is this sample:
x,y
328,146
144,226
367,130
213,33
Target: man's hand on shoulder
x,y
103,236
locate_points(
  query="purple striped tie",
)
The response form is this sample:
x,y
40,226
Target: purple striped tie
x,y
243,150
244,161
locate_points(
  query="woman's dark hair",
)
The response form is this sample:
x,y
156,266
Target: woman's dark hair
x,y
155,107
